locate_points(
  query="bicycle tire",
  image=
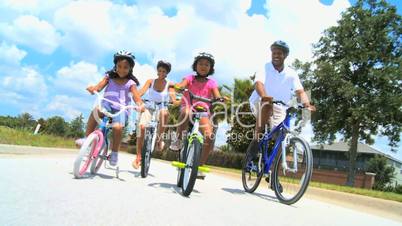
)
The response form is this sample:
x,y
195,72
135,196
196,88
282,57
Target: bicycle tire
x,y
247,167
146,151
305,177
192,160
86,150
180,171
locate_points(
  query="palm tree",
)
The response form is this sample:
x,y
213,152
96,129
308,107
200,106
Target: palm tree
x,y
241,93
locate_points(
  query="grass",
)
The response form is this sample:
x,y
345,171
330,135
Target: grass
x,y
359,191
23,137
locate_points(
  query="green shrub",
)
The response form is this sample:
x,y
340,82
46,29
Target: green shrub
x,y
398,189
215,158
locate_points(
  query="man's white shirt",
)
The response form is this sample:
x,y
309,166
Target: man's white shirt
x,y
280,85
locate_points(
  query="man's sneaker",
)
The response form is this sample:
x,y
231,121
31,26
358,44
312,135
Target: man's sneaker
x,y
176,145
113,158
201,175
79,142
253,147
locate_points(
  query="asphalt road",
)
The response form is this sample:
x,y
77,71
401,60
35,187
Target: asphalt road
x,y
37,188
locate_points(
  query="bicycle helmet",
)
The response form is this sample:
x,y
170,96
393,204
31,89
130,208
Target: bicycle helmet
x,y
123,54
282,45
165,65
207,56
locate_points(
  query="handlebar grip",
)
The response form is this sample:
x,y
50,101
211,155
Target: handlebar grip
x,y
279,102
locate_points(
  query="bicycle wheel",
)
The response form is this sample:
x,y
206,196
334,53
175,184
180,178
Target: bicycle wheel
x,y
84,157
97,162
290,184
146,151
180,171
192,160
252,169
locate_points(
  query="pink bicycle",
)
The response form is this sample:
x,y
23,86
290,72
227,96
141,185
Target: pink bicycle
x,y
96,145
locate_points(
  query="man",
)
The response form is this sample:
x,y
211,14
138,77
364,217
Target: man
x,y
276,82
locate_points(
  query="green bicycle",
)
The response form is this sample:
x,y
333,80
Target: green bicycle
x,y
188,163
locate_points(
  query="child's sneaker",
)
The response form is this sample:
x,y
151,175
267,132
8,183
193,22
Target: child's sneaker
x,y
113,158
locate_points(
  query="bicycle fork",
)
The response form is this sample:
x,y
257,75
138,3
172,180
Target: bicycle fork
x,y
285,168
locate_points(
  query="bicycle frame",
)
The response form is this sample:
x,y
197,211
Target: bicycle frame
x,y
283,129
104,126
104,129
155,108
195,132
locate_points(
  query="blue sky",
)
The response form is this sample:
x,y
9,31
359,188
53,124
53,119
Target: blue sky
x,y
51,50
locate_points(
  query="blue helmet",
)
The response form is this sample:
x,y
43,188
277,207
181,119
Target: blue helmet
x,y
282,45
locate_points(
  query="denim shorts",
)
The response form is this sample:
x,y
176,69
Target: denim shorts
x,y
122,118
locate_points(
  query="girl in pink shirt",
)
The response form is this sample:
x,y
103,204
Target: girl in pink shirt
x,y
200,85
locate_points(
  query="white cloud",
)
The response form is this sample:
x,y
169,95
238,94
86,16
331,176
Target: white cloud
x,y
32,32
21,5
73,79
28,82
144,72
24,88
68,107
31,6
88,26
224,12
91,30
239,42
10,54
301,23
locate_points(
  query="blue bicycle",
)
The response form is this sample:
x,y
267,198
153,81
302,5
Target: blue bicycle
x,y
293,164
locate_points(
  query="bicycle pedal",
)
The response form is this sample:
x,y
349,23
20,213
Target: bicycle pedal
x,y
201,177
267,179
271,186
180,165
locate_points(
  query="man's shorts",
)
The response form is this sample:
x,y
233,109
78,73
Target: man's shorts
x,y
278,114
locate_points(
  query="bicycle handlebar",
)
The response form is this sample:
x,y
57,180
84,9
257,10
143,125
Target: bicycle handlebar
x,y
155,104
289,105
193,96
107,113
292,105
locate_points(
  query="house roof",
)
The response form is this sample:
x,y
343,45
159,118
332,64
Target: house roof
x,y
344,147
